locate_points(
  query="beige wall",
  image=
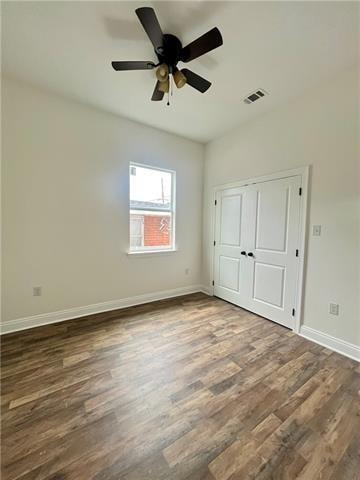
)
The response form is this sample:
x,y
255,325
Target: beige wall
x,y
320,129
65,204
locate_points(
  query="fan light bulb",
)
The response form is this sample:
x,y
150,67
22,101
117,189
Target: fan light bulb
x,y
179,79
162,73
164,85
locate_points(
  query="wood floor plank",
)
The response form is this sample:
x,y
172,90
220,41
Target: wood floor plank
x,y
191,388
348,467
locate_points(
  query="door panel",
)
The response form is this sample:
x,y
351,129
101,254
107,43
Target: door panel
x,y
261,219
229,273
271,230
230,231
269,284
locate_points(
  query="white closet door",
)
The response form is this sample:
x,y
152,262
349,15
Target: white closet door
x,y
231,237
275,239
262,220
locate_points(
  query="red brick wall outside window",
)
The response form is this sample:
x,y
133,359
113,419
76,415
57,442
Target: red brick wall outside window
x,y
157,230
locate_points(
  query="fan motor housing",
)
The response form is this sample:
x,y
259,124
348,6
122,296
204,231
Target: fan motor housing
x,y
170,51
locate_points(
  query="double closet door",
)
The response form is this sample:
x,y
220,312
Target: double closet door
x,y
256,247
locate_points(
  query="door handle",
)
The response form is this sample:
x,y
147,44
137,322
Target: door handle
x,y
250,254
243,252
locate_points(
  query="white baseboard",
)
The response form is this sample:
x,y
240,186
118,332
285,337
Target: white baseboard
x,y
340,346
71,313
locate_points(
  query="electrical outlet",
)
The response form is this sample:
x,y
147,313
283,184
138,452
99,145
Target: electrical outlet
x,y
316,230
37,292
334,309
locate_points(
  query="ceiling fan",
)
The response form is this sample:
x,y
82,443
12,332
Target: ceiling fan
x,y
169,52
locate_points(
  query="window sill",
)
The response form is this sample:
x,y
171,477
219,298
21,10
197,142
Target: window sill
x,y
149,253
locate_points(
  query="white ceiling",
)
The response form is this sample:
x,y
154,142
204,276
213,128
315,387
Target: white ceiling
x,y
282,47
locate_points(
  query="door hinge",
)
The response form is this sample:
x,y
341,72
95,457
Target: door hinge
x,y
213,282
215,202
293,312
214,243
297,253
300,191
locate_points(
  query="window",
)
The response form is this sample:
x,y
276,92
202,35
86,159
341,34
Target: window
x,y
152,215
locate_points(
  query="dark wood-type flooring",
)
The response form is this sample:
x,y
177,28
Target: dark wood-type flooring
x,y
190,388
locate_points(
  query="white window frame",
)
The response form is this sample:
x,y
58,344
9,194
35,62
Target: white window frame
x,y
156,249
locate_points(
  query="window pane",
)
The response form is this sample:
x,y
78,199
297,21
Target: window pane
x,y
151,209
136,230
136,222
149,188
135,242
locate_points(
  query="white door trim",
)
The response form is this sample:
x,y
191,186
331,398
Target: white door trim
x,y
304,173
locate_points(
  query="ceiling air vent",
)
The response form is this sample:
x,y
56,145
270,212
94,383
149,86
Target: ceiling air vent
x,y
255,96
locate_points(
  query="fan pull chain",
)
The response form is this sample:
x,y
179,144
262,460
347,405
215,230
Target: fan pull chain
x,y
169,80
170,92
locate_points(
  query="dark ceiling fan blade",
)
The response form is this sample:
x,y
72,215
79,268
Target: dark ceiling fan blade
x,y
195,81
157,95
133,65
204,44
151,25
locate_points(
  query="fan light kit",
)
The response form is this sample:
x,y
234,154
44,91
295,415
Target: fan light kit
x,y
169,52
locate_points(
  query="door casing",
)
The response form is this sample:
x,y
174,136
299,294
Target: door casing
x,y
304,173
